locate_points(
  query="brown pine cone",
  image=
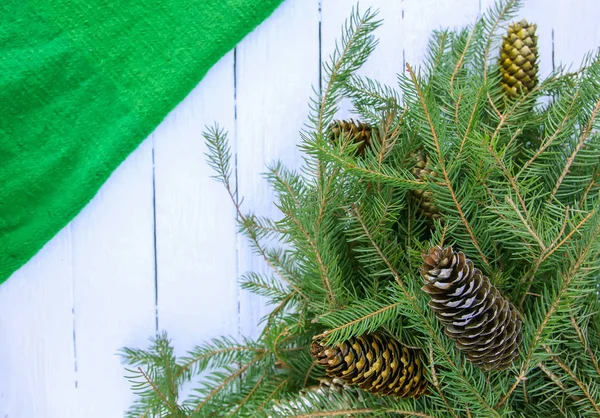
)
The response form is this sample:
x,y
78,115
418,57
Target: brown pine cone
x,y
376,363
474,313
427,205
356,131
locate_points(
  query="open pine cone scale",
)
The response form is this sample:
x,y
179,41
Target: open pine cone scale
x,y
475,315
375,363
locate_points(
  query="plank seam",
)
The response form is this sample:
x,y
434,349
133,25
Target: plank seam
x,y
73,322
154,238
403,29
236,192
552,54
320,47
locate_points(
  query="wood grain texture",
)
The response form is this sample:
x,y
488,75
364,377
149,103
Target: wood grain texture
x,y
37,373
276,65
421,17
94,287
113,290
195,219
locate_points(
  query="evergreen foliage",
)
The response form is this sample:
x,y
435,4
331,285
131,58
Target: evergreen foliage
x,y
518,186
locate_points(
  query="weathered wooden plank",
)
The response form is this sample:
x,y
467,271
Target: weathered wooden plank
x,y
576,29
276,65
113,293
195,219
37,369
422,17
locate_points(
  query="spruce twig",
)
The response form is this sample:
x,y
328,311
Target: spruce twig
x,y
595,403
440,156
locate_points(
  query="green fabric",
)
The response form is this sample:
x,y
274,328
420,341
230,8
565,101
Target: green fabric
x,y
82,83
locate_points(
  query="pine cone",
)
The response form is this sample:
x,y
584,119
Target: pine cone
x,y
327,385
356,131
518,57
424,197
475,314
375,363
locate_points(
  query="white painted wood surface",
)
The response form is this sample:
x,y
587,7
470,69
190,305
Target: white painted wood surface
x,y
157,249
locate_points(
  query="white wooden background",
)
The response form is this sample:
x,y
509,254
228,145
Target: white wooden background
x,y
157,249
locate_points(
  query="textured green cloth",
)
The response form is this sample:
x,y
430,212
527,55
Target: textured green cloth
x,y
82,83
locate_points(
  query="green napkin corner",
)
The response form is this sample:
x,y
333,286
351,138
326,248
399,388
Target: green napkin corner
x,y
82,83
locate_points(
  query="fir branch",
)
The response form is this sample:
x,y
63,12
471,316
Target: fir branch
x,y
437,47
436,383
510,144
245,400
580,143
386,139
356,45
325,193
272,394
154,379
567,116
356,212
264,286
543,256
469,125
361,411
563,226
461,59
371,100
594,402
593,183
367,92
513,184
518,379
219,157
198,358
502,13
585,345
357,30
157,390
526,224
447,180
308,372
227,381
552,377
372,317
576,229
277,310
322,267
539,331
388,175
524,102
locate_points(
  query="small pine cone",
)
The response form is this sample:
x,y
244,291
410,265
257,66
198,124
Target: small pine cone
x,y
327,385
355,131
518,59
424,197
375,363
482,322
